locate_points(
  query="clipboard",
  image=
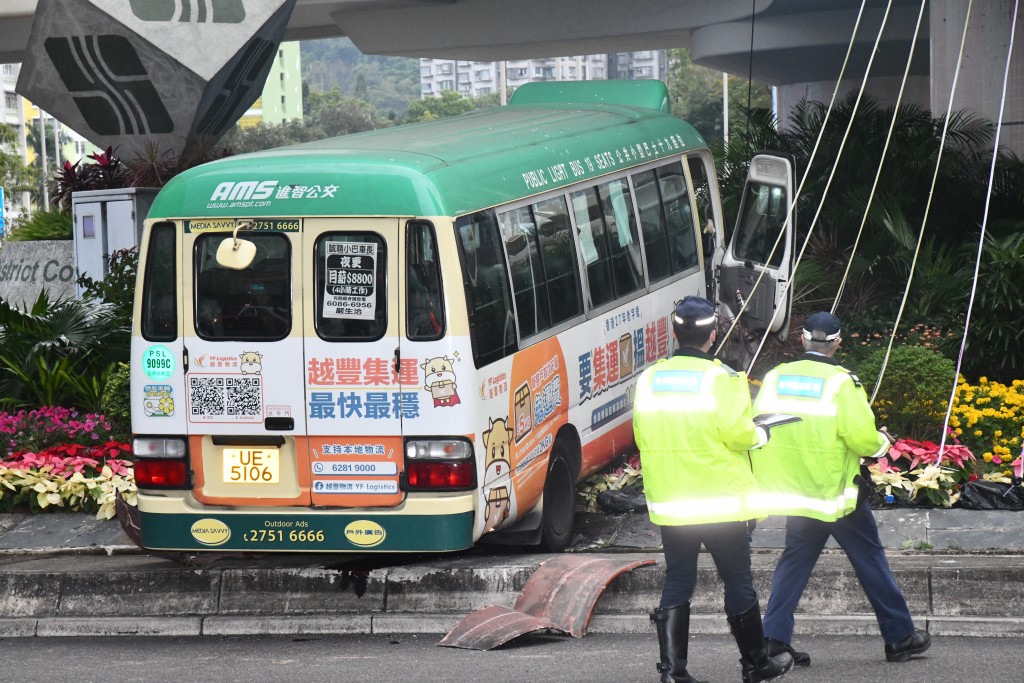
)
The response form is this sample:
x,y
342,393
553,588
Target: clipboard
x,y
769,420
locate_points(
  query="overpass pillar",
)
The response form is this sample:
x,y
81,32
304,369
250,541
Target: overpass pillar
x,y
151,77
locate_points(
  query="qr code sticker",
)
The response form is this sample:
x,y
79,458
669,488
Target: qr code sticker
x,y
243,395
206,395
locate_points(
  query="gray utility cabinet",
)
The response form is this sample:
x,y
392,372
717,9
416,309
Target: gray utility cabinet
x,y
105,221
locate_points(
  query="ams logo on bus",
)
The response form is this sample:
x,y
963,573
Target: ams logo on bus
x,y
249,189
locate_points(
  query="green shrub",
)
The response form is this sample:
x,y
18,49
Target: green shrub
x,y
116,402
864,333
59,353
118,287
995,345
52,224
914,391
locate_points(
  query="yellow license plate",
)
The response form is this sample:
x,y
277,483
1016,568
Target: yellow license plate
x,y
252,466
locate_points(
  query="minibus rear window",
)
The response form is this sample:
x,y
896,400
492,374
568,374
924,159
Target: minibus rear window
x,y
159,292
350,281
253,303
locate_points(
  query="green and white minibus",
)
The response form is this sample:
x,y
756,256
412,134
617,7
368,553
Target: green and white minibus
x,y
407,339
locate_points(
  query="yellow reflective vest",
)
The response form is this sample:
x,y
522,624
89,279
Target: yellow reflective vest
x,y
807,468
692,422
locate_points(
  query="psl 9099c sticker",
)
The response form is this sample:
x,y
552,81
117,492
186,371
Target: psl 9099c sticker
x,y
158,362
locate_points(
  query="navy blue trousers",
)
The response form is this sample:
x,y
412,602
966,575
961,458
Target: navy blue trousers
x,y
857,534
729,545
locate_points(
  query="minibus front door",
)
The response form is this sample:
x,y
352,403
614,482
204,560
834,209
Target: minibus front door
x,y
243,336
354,374
756,270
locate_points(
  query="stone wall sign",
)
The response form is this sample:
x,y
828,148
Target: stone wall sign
x,y
27,268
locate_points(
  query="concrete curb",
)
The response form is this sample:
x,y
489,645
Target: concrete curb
x,y
98,595
439,624
71,575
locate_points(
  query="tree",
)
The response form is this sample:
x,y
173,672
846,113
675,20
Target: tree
x,y
887,250
338,114
268,136
390,82
695,95
450,103
15,177
485,101
360,91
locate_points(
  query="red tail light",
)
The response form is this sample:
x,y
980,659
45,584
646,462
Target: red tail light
x,y
440,475
161,474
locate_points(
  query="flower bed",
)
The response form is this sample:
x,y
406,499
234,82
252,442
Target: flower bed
x,y
56,458
986,429
989,419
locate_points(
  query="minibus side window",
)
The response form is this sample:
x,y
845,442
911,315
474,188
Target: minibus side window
x,y
529,285
492,329
253,303
159,291
558,254
702,198
424,304
652,222
350,284
764,213
681,239
608,238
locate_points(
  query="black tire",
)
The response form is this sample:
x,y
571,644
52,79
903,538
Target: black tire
x,y
559,503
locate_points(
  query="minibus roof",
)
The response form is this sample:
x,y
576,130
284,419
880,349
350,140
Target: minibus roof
x,y
550,135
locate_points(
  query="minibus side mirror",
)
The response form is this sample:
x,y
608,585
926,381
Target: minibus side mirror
x,y
236,254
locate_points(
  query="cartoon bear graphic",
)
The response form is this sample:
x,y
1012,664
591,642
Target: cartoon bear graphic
x,y
498,491
439,380
250,362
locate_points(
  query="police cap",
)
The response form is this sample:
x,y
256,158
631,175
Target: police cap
x,y
821,326
694,311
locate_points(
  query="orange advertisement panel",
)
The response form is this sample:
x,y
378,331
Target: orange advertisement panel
x,y
359,471
518,443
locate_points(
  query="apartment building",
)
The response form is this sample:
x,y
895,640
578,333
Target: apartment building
x,y
638,66
12,114
10,105
281,99
477,79
73,146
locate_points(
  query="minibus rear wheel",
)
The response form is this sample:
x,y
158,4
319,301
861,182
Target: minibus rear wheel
x,y
559,503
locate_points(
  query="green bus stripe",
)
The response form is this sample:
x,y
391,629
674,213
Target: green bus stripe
x,y
447,167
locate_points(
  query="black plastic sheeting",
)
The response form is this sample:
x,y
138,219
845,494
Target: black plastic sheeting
x,y
619,501
992,495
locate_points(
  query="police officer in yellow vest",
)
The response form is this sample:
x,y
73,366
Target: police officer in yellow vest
x,y
809,472
693,426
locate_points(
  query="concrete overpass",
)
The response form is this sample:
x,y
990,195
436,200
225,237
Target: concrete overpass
x,y
786,32
795,44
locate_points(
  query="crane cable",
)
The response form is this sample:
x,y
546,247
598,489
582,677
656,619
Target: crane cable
x,y
828,184
881,163
927,208
803,179
984,224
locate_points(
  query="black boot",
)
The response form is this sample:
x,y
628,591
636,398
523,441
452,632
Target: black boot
x,y
777,646
757,664
673,625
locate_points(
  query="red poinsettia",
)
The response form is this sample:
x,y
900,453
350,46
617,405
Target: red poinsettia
x,y
927,452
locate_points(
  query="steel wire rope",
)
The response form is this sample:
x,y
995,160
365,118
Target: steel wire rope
x,y
828,184
750,60
927,208
984,224
881,163
803,179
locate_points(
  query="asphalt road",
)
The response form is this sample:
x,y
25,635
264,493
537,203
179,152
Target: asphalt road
x,y
595,658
